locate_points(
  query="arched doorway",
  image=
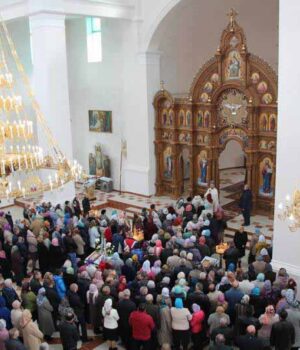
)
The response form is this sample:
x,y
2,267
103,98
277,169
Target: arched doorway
x,y
232,174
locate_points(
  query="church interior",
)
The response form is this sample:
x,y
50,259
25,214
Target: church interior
x,y
133,107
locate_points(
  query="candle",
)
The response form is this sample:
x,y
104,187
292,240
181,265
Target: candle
x,y
56,178
18,130
7,193
3,167
23,192
31,162
12,166
19,185
11,131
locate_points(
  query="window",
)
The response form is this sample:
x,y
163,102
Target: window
x,y
94,42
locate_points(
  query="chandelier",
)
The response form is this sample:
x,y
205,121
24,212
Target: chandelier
x,y
290,211
31,161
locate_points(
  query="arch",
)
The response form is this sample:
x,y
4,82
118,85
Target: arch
x,y
230,88
166,7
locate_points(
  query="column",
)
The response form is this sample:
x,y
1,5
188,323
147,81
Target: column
x,y
286,244
50,80
141,82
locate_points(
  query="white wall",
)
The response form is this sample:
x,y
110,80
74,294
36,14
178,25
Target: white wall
x,y
190,34
232,156
286,244
96,86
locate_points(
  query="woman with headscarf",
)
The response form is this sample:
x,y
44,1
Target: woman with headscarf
x,y
110,323
56,255
29,299
3,334
158,248
197,327
16,314
156,268
164,333
267,320
147,269
293,311
91,297
122,283
17,262
180,324
45,310
242,309
98,279
214,318
260,244
32,336
116,262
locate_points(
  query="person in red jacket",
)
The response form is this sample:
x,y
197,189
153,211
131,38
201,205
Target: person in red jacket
x,y
142,326
197,327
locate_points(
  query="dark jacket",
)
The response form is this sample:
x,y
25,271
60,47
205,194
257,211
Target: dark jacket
x,y
247,342
153,311
69,335
86,205
226,331
76,303
246,200
125,308
282,335
14,344
240,240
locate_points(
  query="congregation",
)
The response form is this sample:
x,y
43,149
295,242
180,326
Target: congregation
x,y
160,284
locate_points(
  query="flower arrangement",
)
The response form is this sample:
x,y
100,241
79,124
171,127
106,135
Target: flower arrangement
x,y
109,249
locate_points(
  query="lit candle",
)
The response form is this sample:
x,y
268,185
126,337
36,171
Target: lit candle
x,y
11,131
23,192
3,131
19,185
7,193
9,186
12,166
56,177
18,130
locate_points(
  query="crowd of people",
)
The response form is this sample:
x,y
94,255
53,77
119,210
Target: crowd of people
x,y
160,283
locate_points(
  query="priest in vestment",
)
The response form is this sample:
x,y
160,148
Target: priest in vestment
x,y
214,194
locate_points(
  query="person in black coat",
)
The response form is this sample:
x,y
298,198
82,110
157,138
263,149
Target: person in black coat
x,y
86,205
282,333
79,309
246,204
68,333
198,297
240,240
231,255
125,307
249,341
76,207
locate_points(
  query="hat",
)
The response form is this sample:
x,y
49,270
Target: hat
x,y
189,256
255,291
193,239
166,280
169,217
206,233
126,293
165,211
264,252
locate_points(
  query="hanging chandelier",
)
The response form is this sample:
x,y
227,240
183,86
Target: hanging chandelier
x,y
290,211
31,161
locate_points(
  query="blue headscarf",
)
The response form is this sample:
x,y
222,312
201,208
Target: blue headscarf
x,y
178,303
231,267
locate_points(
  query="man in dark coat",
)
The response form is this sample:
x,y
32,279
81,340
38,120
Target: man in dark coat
x,y
69,333
246,204
198,297
86,205
125,307
249,341
231,255
78,307
282,333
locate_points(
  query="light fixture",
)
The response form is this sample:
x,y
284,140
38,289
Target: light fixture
x,y
31,161
290,211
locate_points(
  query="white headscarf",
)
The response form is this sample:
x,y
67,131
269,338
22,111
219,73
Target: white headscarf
x,y
107,306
